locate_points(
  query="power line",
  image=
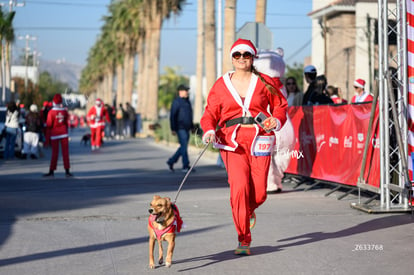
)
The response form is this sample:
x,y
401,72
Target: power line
x,y
59,28
83,4
65,28
300,49
267,14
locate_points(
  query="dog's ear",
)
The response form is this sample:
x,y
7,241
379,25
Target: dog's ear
x,y
156,197
168,201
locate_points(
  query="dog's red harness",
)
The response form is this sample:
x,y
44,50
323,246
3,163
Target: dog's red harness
x,y
175,226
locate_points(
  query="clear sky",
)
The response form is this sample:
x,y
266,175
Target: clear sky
x,y
67,29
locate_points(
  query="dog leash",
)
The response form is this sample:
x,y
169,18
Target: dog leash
x,y
189,171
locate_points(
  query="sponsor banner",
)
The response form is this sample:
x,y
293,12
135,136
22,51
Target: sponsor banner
x,y
330,142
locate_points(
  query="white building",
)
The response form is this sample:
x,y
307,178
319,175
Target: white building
x,y
31,72
344,44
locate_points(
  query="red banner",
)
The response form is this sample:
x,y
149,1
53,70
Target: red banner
x,y
330,142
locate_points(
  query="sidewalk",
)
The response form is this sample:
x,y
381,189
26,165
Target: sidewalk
x,y
96,222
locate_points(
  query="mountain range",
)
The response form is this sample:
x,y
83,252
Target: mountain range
x,y
62,71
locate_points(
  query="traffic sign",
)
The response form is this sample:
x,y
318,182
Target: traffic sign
x,y
258,33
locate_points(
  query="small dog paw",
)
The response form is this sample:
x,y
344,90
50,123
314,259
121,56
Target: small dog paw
x,y
152,266
160,261
168,264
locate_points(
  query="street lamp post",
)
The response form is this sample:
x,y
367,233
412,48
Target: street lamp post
x,y
27,37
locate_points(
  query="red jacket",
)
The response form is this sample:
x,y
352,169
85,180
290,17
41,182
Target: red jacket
x,y
97,116
224,104
57,122
364,97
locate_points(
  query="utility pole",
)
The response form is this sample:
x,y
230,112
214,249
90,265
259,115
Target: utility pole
x,y
325,31
35,60
12,3
347,52
369,39
27,37
219,38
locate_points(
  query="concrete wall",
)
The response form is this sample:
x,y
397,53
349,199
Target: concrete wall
x,y
341,52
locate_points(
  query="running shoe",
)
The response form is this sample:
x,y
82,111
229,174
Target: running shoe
x,y
242,250
252,220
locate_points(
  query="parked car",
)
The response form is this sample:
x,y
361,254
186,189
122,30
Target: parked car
x,y
19,140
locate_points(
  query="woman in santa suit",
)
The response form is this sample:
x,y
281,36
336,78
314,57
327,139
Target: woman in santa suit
x,y
228,122
97,116
58,124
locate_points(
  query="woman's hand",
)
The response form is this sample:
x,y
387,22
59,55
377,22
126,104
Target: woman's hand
x,y
209,138
271,123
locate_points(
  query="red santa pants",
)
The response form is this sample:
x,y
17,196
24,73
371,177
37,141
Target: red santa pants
x,y
96,136
64,142
247,176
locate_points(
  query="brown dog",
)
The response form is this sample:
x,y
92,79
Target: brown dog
x,y
163,223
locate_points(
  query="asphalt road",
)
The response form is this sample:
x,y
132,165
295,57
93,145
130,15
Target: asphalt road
x,y
96,222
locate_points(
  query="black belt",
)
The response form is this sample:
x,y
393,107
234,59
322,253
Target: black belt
x,y
240,120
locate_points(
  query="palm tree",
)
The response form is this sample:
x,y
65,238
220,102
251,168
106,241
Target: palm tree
x,y
210,44
154,12
134,26
127,14
6,37
261,11
141,94
198,104
97,76
169,82
134,29
9,37
229,32
115,26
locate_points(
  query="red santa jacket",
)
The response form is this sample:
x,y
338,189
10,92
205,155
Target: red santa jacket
x,y
57,122
224,104
97,116
364,97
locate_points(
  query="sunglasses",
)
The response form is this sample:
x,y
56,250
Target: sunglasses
x,y
290,83
246,55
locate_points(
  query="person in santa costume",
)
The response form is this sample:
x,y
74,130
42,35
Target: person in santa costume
x,y
228,122
58,124
97,117
271,63
47,106
360,94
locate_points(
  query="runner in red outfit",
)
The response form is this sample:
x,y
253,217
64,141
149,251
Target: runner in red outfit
x,y
58,123
233,102
97,117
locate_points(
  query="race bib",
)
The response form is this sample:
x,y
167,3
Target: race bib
x,y
263,145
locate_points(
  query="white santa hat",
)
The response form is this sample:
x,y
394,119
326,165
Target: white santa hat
x,y
33,108
359,83
271,62
243,45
